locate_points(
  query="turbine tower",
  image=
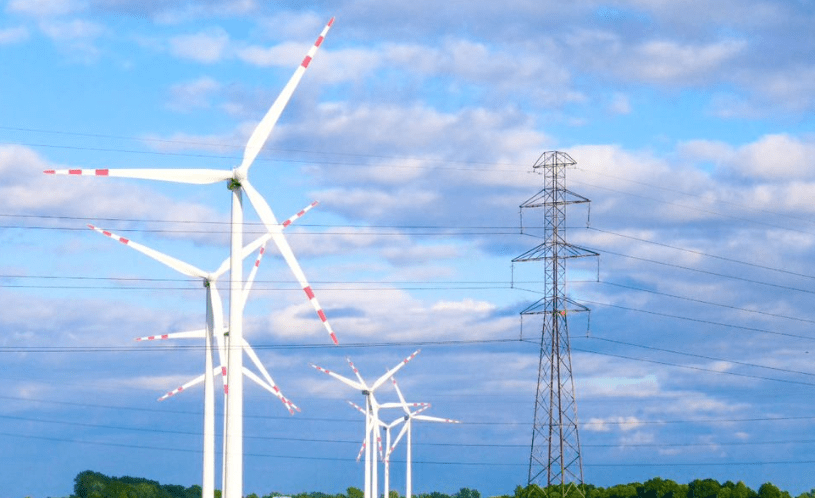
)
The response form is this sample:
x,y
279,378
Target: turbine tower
x,y
555,455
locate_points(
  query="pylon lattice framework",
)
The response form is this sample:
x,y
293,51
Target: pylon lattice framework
x,y
555,453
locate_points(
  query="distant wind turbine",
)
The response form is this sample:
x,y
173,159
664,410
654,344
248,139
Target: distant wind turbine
x,y
409,418
371,415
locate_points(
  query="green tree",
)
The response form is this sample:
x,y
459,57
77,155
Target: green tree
x,y
661,488
769,490
623,491
704,488
353,492
467,493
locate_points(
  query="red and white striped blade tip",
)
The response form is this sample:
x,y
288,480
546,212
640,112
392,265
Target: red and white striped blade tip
x,y
321,369
171,393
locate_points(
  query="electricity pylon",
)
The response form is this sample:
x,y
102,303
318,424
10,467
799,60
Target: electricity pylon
x,y
555,455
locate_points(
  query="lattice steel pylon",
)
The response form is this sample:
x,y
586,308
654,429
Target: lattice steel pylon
x,y
555,457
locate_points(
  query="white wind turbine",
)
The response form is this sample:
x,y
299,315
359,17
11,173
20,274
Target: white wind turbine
x,y
409,417
371,414
389,447
388,427
216,330
237,182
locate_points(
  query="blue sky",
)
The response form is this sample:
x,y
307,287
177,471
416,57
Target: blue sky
x,y
415,127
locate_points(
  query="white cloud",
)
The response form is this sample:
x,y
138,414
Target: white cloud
x,y
75,30
645,386
76,37
286,55
670,61
389,312
777,157
193,94
207,46
774,158
608,424
45,8
288,24
13,35
620,104
465,305
664,61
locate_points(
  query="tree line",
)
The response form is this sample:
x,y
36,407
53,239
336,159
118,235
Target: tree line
x,y
89,484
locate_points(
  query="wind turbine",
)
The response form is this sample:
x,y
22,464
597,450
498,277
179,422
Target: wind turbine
x,y
388,427
389,447
408,418
371,413
214,329
238,182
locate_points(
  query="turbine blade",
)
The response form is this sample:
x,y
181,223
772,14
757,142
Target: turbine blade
x,y
186,386
262,250
217,311
393,370
361,451
399,437
299,214
428,418
379,442
420,410
175,264
193,176
271,383
346,381
268,218
247,250
390,405
251,278
401,398
192,334
221,340
356,371
361,410
272,389
264,128
395,423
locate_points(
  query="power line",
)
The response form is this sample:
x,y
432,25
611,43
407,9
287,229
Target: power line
x,y
691,208
698,320
707,272
698,356
597,172
710,303
241,147
197,347
691,367
514,167
350,459
298,418
419,443
506,230
700,253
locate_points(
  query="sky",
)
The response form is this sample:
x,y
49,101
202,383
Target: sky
x,y
416,127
